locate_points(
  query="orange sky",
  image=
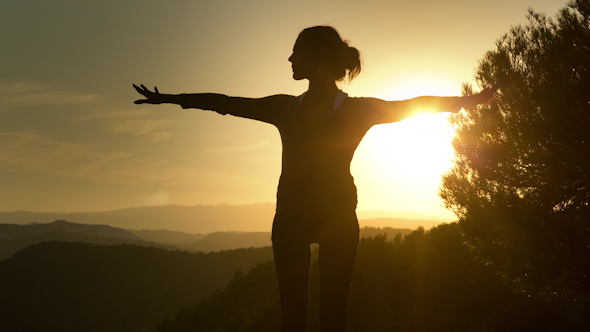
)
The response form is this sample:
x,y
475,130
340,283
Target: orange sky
x,y
71,139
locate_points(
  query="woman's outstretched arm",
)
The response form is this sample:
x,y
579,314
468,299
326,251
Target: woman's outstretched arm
x,y
264,109
393,111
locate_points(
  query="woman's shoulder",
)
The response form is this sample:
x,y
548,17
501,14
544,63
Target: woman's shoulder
x,y
363,103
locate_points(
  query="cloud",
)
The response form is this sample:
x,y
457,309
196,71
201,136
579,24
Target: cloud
x,y
30,151
112,118
18,94
138,122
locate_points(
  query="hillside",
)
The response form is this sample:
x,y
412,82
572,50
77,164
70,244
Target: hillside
x,y
68,286
428,282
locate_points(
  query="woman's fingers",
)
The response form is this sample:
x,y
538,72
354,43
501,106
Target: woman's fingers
x,y
151,97
142,90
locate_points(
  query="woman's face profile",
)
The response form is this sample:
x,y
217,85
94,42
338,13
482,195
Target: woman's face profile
x,y
303,61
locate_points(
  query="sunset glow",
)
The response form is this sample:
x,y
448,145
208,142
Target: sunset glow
x,y
72,140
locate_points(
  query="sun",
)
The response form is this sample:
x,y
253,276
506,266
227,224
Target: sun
x,y
401,164
419,148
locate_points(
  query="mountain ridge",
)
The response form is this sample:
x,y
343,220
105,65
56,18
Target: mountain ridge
x,y
10,231
201,218
14,238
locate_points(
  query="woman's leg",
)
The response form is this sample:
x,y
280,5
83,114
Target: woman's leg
x,y
337,255
292,257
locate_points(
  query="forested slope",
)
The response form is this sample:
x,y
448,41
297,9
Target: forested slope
x,y
427,282
73,286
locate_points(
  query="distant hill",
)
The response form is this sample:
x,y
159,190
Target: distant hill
x,y
233,240
372,214
189,219
16,237
176,238
399,223
207,242
204,218
10,231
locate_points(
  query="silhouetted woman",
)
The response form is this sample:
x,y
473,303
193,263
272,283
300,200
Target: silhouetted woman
x,y
316,198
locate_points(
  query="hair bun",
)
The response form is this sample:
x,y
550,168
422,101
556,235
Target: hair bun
x,y
352,61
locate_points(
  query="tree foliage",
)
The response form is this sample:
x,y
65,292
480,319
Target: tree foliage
x,y
521,181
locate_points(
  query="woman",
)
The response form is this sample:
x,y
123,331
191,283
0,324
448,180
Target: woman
x,y
316,199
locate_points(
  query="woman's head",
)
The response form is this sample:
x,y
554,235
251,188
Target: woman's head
x,y
322,45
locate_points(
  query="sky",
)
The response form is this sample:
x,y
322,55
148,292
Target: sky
x,y
71,138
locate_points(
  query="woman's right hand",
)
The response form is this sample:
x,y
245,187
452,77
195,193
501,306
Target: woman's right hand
x,y
150,97
481,97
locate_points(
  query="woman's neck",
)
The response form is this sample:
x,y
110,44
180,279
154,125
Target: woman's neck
x,y
320,88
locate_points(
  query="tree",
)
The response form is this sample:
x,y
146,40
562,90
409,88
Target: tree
x,y
521,180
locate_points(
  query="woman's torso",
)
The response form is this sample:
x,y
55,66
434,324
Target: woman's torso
x,y
315,178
